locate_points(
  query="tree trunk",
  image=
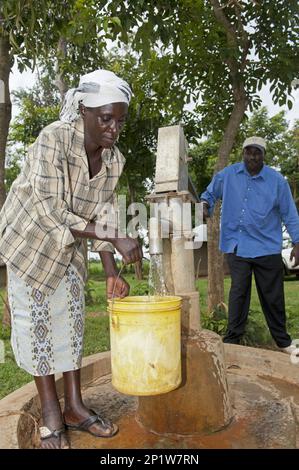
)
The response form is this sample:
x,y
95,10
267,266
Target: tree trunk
x,y
138,270
215,257
59,79
5,108
215,263
5,116
6,318
237,38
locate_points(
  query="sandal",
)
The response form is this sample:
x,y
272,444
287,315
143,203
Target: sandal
x,y
46,433
95,418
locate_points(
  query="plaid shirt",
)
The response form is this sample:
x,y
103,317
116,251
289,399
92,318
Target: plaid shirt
x,y
53,194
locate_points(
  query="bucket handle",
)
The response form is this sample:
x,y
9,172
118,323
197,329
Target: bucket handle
x,y
115,318
117,278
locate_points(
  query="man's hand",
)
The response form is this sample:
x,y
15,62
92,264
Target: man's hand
x,y
116,287
205,210
129,248
295,255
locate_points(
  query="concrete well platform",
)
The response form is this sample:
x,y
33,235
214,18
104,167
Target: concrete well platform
x,y
264,390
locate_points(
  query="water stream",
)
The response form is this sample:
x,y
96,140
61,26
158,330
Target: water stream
x,y
156,281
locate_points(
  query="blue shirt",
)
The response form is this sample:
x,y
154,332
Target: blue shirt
x,y
253,209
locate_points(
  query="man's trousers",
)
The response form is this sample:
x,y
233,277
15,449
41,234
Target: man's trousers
x,y
268,273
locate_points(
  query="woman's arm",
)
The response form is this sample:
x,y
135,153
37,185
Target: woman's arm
x,y
128,247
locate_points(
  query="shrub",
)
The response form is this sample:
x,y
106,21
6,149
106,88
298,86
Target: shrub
x,y
256,331
88,291
142,288
216,320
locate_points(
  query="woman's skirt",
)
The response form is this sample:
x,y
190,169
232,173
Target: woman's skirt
x,y
47,330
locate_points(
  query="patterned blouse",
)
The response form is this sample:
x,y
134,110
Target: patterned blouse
x,y
53,194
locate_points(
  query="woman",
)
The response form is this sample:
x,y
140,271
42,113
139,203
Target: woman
x,y
55,203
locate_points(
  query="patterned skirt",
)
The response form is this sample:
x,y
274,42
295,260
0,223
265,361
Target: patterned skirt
x,y
47,330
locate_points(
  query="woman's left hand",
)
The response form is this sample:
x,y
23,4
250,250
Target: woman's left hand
x,y
116,287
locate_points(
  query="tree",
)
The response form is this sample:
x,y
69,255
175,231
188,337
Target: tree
x,y
217,53
220,54
5,105
290,164
69,35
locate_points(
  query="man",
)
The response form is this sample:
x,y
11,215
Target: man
x,y
255,201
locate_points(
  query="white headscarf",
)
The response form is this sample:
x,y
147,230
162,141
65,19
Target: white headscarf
x,y
95,89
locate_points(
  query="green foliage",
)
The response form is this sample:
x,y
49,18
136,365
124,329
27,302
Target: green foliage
x,y
216,320
88,291
191,49
11,376
12,170
96,337
96,271
39,106
34,28
142,288
273,129
290,164
204,156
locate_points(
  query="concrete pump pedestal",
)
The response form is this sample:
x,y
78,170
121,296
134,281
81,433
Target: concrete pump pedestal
x,y
201,405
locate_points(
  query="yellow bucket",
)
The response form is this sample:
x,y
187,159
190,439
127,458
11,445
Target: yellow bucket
x,y
145,334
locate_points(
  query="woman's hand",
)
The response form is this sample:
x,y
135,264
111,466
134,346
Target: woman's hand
x,y
129,248
116,287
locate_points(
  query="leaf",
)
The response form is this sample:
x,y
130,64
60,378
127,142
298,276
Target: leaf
x,y
13,42
116,20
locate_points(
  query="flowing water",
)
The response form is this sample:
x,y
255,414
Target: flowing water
x,y
156,279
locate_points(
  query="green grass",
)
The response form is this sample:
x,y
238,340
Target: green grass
x,y
96,337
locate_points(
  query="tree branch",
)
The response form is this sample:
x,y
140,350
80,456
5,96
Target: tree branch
x,y
222,19
234,66
231,34
244,35
59,78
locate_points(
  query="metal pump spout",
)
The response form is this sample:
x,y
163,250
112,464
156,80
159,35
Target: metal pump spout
x,y
171,219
